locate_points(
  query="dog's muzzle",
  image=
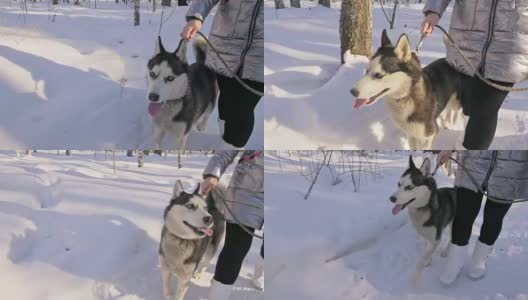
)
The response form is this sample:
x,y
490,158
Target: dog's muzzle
x,y
153,97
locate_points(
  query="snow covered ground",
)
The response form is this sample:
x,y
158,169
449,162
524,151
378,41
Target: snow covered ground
x,y
308,101
74,76
303,234
72,229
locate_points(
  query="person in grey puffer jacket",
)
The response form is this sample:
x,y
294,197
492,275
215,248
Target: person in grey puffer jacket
x,y
503,175
245,199
237,33
493,35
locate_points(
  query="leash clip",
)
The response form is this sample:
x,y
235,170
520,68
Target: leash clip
x,y
420,44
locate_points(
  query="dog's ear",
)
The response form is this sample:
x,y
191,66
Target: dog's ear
x,y
197,190
178,189
385,41
425,169
159,47
181,52
403,48
411,163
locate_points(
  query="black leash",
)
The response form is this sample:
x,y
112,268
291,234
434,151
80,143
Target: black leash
x,y
233,74
473,68
219,195
479,187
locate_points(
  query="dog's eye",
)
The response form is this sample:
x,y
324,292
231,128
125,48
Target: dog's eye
x,y
409,187
189,206
378,76
170,78
152,74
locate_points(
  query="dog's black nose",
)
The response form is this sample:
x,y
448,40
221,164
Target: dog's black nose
x,y
153,97
354,92
393,199
208,220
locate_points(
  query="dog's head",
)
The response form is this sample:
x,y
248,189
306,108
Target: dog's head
x,y
414,187
187,215
166,76
391,72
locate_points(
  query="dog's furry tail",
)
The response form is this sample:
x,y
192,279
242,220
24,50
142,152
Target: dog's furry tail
x,y
200,49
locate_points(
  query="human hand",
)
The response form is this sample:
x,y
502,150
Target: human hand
x,y
429,23
442,157
190,29
208,184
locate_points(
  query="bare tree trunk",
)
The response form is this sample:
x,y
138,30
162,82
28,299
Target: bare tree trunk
x,y
68,152
355,27
165,2
182,3
55,2
136,12
28,152
76,2
153,5
180,159
393,18
325,3
113,158
17,153
279,4
130,153
295,3
141,159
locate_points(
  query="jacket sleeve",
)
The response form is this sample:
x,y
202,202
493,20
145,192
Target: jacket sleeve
x,y
220,162
201,8
436,6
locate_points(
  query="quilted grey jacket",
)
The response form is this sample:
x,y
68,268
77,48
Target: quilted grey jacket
x,y
245,192
237,33
503,173
493,34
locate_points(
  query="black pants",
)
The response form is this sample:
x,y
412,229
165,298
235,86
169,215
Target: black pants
x,y
467,208
236,247
481,104
236,106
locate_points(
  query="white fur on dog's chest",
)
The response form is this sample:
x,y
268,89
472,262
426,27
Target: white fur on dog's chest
x,y
167,113
418,218
175,262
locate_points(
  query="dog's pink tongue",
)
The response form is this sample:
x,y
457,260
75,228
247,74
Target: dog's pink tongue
x,y
396,209
154,108
207,231
359,103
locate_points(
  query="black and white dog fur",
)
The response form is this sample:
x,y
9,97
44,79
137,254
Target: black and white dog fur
x,y
192,231
179,94
431,210
415,98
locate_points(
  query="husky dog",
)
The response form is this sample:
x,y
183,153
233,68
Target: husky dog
x,y
191,234
415,97
179,94
431,210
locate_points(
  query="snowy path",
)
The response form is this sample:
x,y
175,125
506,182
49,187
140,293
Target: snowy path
x,y
308,101
381,250
75,77
71,229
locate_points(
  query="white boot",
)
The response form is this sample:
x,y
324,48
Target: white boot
x,y
219,291
258,275
477,267
454,265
